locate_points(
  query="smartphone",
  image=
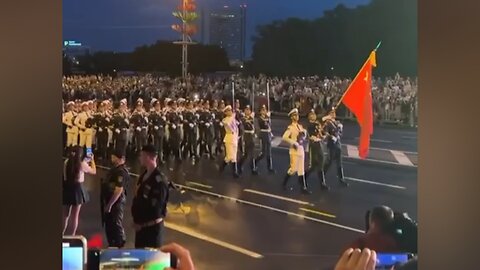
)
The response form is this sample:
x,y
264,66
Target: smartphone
x,y
387,260
74,253
93,259
133,259
88,155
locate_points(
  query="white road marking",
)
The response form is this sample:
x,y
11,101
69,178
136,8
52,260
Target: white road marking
x,y
212,240
277,197
374,183
376,140
409,137
199,185
401,158
276,141
352,151
318,212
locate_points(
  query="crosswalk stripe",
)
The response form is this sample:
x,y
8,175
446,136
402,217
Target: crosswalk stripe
x,y
352,151
401,158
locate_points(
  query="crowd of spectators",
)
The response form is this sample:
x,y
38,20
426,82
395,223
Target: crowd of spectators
x,y
395,99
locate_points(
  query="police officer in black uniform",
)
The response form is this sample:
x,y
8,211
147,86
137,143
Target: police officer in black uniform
x,y
264,123
249,140
121,124
113,199
157,124
334,130
190,131
139,121
206,130
149,207
102,123
315,149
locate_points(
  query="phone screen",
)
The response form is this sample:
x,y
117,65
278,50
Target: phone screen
x,y
72,257
387,260
131,259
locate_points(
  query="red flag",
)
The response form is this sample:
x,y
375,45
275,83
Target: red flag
x,y
358,99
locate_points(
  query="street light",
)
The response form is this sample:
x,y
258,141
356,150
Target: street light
x,y
187,15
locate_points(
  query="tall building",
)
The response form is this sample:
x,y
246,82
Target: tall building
x,y
227,30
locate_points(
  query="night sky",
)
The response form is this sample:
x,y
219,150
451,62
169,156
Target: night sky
x,y
122,25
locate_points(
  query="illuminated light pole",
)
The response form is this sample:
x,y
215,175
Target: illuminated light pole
x,y
187,15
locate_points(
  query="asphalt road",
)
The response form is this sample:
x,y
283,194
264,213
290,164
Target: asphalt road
x,y
251,223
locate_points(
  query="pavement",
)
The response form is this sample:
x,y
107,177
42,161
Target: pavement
x,y
251,223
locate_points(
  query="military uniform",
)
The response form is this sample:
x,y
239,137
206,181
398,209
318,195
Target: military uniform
x,y
218,127
231,142
71,128
139,121
149,209
102,123
175,136
206,118
249,140
121,125
295,135
157,130
84,122
265,134
316,152
334,131
117,177
190,133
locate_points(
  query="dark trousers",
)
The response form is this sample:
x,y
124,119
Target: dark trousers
x,y
149,237
174,143
249,151
266,141
206,140
102,143
335,155
190,141
158,143
140,138
120,141
114,225
317,160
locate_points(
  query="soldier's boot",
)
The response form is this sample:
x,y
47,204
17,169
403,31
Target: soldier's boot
x,y
323,184
270,165
285,182
341,178
254,167
235,170
303,184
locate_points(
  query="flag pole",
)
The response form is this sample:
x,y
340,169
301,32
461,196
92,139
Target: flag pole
x,y
268,96
348,88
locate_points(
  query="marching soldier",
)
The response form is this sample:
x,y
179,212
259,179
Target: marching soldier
x,y
139,122
121,125
174,138
264,122
316,158
206,130
190,131
249,140
102,122
158,124
149,206
295,135
334,130
113,200
238,117
68,120
231,141
220,130
84,122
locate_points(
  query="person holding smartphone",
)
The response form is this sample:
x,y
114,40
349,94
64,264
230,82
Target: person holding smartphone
x,y
74,193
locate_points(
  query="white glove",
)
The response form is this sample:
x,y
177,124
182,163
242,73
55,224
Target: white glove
x,y
126,121
155,127
221,124
100,129
164,119
117,131
139,129
174,126
207,124
268,114
334,139
107,119
191,125
213,115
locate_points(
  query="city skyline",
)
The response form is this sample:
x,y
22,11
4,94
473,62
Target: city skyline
x,y
123,25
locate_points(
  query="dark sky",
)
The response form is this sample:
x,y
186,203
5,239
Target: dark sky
x,y
122,25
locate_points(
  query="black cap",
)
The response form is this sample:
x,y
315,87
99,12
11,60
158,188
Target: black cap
x,y
149,149
119,153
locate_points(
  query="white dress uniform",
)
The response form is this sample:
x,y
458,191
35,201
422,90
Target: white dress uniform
x,y
231,138
297,151
85,133
72,130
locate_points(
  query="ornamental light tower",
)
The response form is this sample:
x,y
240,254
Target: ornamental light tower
x,y
186,13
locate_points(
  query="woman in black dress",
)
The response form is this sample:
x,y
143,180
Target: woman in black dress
x,y
74,193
